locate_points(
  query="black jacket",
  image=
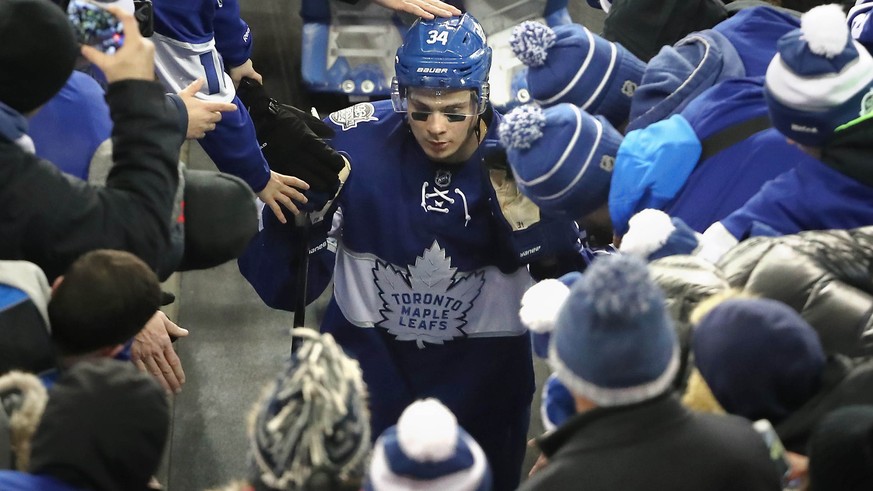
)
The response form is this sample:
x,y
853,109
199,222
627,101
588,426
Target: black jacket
x,y
50,219
827,276
845,382
655,445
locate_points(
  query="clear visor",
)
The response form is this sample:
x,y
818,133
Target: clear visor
x,y
420,102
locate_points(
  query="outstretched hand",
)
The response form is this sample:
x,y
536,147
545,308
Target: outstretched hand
x,y
202,115
422,8
152,352
283,190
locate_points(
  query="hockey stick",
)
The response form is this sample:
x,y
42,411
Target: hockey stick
x,y
302,271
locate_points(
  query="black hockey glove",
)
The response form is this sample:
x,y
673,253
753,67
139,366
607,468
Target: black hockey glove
x,y
292,142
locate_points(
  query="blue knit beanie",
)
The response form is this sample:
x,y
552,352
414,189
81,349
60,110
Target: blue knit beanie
x,y
759,357
820,78
427,450
571,64
562,157
614,342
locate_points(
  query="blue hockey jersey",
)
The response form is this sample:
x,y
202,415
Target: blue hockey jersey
x,y
426,287
197,39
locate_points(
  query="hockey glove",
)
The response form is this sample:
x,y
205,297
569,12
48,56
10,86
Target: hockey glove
x,y
292,143
533,236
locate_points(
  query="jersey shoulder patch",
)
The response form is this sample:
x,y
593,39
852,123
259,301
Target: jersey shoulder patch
x,y
349,117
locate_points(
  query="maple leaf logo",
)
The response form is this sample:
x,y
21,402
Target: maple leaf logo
x,y
426,302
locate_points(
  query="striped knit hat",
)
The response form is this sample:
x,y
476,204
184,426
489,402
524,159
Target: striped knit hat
x,y
312,425
428,451
820,78
571,64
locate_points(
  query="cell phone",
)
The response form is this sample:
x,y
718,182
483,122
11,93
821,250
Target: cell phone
x,y
95,26
777,451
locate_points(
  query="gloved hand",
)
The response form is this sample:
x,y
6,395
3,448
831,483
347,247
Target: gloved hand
x,y
292,142
534,236
653,234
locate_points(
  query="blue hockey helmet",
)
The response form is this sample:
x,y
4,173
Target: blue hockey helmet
x,y
442,54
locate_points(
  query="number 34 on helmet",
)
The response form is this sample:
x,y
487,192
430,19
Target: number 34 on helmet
x,y
442,54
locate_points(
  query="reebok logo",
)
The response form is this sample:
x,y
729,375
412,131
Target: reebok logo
x,y
803,129
432,70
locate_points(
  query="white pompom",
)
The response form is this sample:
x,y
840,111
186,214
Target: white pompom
x,y
648,231
427,431
522,126
530,41
540,305
825,30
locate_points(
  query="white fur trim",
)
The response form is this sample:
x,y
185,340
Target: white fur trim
x,y
427,431
540,305
819,93
825,30
716,241
607,397
464,480
648,231
24,421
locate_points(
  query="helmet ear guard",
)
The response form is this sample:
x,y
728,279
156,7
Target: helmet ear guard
x,y
443,54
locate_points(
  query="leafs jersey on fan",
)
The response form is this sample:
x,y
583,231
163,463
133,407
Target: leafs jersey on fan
x,y
198,39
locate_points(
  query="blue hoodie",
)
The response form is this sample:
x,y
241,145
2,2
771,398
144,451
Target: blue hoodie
x,y
741,46
657,167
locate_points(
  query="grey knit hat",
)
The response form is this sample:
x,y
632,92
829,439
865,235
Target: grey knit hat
x,y
311,424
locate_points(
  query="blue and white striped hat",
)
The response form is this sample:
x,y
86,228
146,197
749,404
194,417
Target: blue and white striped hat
x,y
569,63
427,450
561,156
820,78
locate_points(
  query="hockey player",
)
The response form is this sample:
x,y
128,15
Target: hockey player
x,y
427,253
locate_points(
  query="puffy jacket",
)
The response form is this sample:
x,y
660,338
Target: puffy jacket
x,y
827,276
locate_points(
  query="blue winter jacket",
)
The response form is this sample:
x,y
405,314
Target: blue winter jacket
x,y
741,46
20,481
658,166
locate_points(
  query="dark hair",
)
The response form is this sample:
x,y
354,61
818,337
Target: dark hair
x,y
105,298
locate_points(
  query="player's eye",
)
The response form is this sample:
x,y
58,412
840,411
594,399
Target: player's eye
x,y
451,117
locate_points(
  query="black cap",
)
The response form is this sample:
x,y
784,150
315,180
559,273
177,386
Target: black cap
x,y
37,52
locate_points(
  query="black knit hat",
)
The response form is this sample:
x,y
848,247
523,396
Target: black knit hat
x,y
841,451
37,52
104,427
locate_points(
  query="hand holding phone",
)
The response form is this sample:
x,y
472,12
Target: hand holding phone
x,y
95,26
778,454
134,60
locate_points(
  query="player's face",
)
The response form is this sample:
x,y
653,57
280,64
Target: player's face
x,y
443,123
